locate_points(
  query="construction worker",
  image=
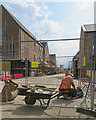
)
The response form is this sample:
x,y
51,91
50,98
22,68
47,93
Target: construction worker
x,y
66,83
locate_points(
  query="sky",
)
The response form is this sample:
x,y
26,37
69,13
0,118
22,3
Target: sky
x,y
57,19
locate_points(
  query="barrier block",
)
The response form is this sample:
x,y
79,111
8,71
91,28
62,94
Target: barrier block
x,y
7,78
16,76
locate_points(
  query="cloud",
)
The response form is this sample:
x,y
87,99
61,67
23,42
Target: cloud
x,y
32,6
48,29
83,5
35,16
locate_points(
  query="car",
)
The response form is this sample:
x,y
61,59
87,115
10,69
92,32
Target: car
x,y
49,73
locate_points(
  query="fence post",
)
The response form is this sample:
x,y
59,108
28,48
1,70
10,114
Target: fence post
x,y
92,69
26,71
6,93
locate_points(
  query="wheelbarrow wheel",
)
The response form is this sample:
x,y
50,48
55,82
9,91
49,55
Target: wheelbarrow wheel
x,y
30,100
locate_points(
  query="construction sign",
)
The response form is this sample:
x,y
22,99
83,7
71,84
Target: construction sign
x,y
34,64
89,73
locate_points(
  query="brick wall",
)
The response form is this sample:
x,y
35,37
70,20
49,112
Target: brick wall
x,y
12,48
85,48
81,47
11,31
47,53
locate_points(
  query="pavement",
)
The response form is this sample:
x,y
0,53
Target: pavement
x,y
57,109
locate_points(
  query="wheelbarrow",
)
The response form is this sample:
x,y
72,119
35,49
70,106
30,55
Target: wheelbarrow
x,y
45,95
37,92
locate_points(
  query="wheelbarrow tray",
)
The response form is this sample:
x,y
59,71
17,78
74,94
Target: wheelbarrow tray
x,y
39,95
43,98
24,89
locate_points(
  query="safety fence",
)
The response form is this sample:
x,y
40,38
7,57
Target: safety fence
x,y
39,62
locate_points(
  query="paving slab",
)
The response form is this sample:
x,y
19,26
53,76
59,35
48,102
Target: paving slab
x,y
58,108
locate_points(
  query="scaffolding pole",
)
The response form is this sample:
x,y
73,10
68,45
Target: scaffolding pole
x,y
26,71
92,70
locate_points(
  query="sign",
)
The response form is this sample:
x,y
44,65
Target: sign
x,y
89,73
34,64
84,61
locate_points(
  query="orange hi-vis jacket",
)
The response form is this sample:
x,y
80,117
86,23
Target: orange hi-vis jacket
x,y
66,83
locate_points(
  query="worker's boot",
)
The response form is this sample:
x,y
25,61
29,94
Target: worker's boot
x,y
66,96
58,96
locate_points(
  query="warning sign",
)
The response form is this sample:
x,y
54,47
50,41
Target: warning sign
x,y
84,61
34,64
89,73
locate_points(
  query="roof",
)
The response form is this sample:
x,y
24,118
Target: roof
x,y
44,44
21,25
77,55
53,55
89,27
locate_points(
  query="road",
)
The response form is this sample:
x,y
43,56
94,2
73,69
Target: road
x,y
58,108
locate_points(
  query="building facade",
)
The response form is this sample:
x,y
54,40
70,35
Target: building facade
x,y
61,68
45,52
52,61
88,35
76,65
82,61
18,43
52,58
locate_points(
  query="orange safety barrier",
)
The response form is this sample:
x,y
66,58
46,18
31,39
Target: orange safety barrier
x,y
7,78
18,75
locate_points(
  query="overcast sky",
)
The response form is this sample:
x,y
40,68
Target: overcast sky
x,y
54,20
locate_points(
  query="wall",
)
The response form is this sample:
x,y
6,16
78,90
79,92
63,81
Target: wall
x,y
47,53
81,47
11,31
14,33
29,49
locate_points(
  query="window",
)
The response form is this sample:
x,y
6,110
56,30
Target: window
x,y
3,33
34,43
12,52
35,56
40,48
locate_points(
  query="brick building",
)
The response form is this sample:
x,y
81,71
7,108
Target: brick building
x,y
18,43
76,65
88,34
52,61
52,58
82,60
45,64
45,51
14,35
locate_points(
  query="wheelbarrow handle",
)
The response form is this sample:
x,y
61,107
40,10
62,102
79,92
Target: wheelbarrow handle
x,y
54,95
